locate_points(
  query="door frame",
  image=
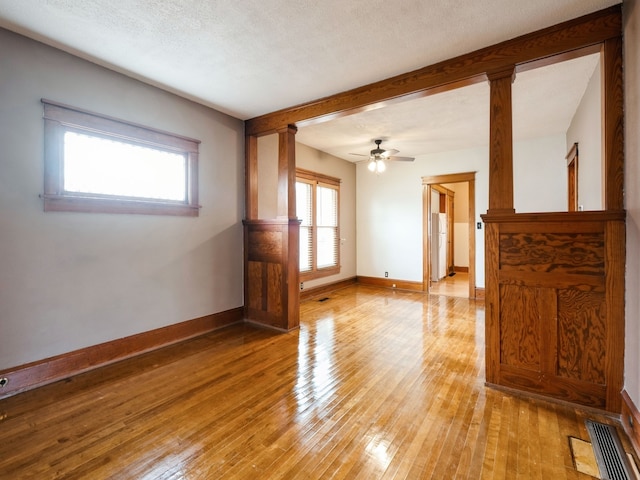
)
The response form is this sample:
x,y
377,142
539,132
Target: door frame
x,y
427,182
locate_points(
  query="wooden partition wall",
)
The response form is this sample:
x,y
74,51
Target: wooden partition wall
x,y
554,283
271,246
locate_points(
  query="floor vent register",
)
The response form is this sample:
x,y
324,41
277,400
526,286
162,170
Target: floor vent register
x,y
610,456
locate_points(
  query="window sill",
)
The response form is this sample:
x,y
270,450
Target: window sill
x,y
62,203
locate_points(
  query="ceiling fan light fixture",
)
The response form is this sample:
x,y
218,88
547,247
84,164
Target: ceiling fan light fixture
x,y
380,166
372,165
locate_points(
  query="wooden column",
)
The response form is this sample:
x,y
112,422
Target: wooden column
x,y
501,142
251,177
613,124
271,246
287,172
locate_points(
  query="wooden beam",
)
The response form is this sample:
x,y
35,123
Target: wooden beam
x,y
466,69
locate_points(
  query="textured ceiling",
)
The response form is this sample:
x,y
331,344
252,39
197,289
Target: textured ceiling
x,y
544,101
250,57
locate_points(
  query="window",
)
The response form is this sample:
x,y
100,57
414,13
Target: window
x,y
317,200
100,164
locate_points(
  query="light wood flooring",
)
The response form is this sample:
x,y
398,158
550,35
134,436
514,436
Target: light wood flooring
x,y
376,384
454,286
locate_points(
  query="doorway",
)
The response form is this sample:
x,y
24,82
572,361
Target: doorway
x,y
431,187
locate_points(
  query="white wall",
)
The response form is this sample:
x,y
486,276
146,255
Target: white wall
x,y
71,280
586,129
631,10
389,205
389,212
540,175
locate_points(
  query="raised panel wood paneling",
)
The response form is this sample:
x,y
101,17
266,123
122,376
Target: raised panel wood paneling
x,y
555,314
254,281
265,245
271,272
582,335
520,334
572,253
275,285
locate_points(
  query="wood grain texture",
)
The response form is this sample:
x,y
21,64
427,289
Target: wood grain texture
x,y
376,384
390,282
271,272
568,253
42,372
615,248
501,141
287,172
251,176
266,245
582,335
631,420
322,290
492,300
573,274
613,124
520,330
454,73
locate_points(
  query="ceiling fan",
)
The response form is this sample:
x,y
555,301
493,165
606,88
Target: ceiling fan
x,y
378,155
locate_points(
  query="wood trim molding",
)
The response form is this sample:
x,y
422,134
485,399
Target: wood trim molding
x,y
49,370
391,283
326,288
449,178
479,293
631,421
318,177
453,73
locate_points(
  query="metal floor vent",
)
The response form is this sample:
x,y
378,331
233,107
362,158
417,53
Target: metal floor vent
x,y
610,456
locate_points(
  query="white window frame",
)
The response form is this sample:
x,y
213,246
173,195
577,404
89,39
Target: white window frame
x,y
59,119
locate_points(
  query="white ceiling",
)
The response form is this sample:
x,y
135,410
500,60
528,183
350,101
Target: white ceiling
x,y
251,57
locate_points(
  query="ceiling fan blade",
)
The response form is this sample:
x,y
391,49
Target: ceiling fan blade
x,y
388,153
401,159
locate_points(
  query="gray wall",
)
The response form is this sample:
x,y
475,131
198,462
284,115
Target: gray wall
x,y
71,280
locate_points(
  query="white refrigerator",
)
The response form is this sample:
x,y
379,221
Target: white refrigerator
x,y
439,232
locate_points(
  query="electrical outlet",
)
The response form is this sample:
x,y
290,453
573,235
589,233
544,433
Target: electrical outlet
x,y
479,225
386,274
301,285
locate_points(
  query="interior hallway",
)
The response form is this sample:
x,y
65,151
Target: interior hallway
x,y
376,384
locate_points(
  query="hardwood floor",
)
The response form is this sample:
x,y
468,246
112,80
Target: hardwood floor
x,y
376,384
452,286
